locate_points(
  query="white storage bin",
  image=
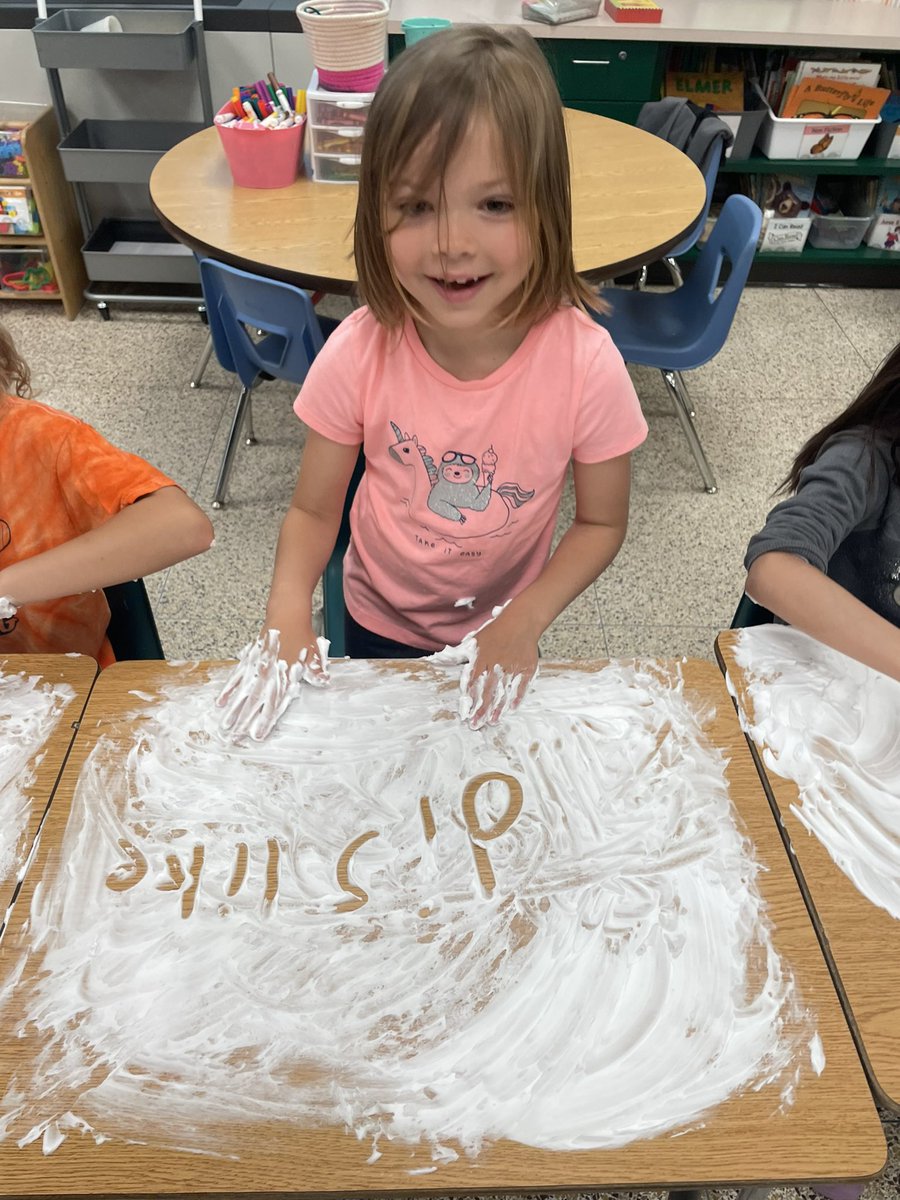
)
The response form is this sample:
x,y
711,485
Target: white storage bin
x,y
343,110
801,137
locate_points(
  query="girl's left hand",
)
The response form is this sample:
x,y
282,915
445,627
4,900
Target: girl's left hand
x,y
497,675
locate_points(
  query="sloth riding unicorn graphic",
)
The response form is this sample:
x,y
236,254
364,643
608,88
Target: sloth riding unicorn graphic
x,y
458,490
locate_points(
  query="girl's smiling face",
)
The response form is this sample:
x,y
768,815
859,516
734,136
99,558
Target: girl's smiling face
x,y
462,256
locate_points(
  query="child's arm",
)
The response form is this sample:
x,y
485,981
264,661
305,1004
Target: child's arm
x,y
308,533
806,598
847,488
156,531
508,646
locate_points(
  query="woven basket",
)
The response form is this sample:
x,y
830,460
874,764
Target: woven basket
x,y
345,35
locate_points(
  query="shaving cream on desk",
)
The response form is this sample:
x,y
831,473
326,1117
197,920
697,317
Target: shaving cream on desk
x,y
832,726
382,920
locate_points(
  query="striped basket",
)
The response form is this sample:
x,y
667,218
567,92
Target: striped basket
x,y
347,39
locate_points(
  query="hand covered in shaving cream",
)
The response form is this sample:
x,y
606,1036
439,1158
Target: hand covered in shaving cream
x,y
263,684
499,661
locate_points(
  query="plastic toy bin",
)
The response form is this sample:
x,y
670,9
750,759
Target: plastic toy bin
x,y
806,137
837,232
150,39
262,158
21,271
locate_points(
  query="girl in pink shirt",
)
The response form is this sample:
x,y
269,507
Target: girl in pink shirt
x,y
472,379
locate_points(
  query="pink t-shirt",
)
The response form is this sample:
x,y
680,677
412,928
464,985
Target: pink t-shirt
x,y
459,498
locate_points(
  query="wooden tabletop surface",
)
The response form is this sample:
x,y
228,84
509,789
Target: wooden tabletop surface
x,y
633,195
46,759
830,1131
860,940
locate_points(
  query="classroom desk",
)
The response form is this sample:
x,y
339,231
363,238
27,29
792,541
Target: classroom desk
x,y
860,940
633,197
830,1131
45,760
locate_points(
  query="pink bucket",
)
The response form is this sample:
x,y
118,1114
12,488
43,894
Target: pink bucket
x,y
262,158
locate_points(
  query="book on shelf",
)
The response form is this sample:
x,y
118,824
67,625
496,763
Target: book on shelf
x,y
783,72
713,89
865,73
647,11
888,195
827,99
788,197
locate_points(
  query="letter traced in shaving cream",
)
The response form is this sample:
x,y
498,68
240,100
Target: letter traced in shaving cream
x,y
832,726
29,711
549,931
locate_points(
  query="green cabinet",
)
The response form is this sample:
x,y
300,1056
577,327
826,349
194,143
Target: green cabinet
x,y
599,70
612,79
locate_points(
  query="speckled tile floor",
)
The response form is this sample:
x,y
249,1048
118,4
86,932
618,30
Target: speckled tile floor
x,y
794,358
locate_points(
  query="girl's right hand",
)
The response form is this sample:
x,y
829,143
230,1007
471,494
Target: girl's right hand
x,y
263,684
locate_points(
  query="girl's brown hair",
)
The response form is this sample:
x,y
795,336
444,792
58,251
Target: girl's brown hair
x,y
429,98
15,378
876,409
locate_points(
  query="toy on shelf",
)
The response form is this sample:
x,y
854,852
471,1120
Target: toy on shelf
x,y
12,154
18,213
38,277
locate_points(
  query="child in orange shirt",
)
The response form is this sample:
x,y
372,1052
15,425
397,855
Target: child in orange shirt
x,y
76,515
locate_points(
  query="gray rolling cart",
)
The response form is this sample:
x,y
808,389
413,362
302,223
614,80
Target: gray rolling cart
x,y
119,252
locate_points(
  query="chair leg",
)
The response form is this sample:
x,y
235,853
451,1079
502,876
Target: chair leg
x,y
201,365
641,282
234,433
249,435
675,271
678,392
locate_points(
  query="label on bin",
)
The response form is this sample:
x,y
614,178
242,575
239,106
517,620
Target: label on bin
x,y
823,141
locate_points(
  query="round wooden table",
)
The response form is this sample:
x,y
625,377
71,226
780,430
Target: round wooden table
x,y
634,197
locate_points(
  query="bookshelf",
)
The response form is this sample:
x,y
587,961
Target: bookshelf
x,y
61,237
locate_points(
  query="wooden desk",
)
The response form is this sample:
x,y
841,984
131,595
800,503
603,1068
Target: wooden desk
x,y
860,940
35,767
633,196
744,1139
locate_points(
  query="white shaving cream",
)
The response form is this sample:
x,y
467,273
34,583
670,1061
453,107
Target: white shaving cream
x,y
29,711
379,919
832,726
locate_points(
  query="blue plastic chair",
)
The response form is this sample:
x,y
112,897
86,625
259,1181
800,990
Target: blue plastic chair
x,y
748,613
707,154
333,608
132,630
710,173
682,329
289,336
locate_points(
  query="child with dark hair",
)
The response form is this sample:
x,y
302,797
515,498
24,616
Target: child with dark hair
x,y
76,515
828,559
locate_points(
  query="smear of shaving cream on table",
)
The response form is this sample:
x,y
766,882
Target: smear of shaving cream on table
x,y
379,919
832,726
29,711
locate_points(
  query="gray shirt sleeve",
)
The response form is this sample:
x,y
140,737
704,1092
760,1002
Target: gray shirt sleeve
x,y
845,489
